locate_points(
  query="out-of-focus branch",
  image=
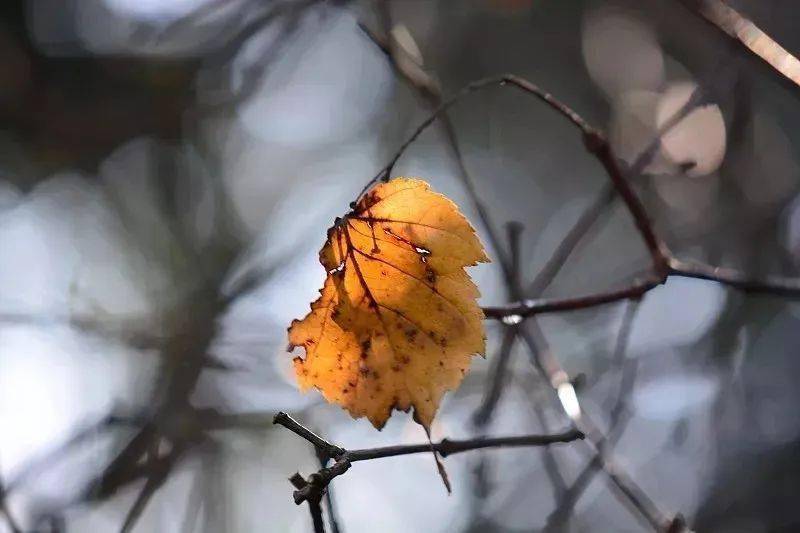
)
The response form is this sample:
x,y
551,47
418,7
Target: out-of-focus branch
x,y
604,200
664,264
135,333
744,31
634,495
599,147
159,468
290,15
6,512
594,141
617,423
51,457
773,285
429,91
496,378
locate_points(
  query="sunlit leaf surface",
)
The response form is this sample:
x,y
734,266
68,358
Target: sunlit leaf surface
x,y
397,321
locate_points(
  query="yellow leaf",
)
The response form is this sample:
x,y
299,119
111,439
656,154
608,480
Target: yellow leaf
x,y
397,321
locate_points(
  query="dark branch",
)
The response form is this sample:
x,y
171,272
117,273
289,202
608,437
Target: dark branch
x,y
316,516
777,286
313,488
449,447
322,446
6,512
617,423
475,86
497,378
551,369
604,200
534,307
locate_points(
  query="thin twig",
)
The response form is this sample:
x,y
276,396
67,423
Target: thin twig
x,y
329,501
472,87
325,448
605,198
595,143
314,486
528,308
496,378
159,468
617,423
634,495
447,447
431,94
315,508
664,264
771,285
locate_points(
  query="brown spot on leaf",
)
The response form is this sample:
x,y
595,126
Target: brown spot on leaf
x,y
430,275
403,212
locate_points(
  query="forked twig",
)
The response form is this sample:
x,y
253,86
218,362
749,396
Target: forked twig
x,y
510,267
617,423
313,488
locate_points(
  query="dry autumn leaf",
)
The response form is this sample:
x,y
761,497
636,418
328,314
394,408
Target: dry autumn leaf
x,y
397,321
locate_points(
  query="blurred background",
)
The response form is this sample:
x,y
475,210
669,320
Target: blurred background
x,y
167,173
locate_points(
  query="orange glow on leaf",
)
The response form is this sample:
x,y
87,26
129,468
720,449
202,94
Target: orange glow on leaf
x,y
397,322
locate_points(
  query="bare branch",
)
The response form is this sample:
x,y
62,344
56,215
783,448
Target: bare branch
x,y
496,380
777,286
595,142
134,332
329,501
604,200
774,285
745,32
328,449
534,307
316,483
315,508
475,86
159,468
634,495
430,92
6,512
617,423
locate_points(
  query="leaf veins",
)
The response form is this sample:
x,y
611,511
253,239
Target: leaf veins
x,y
397,321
